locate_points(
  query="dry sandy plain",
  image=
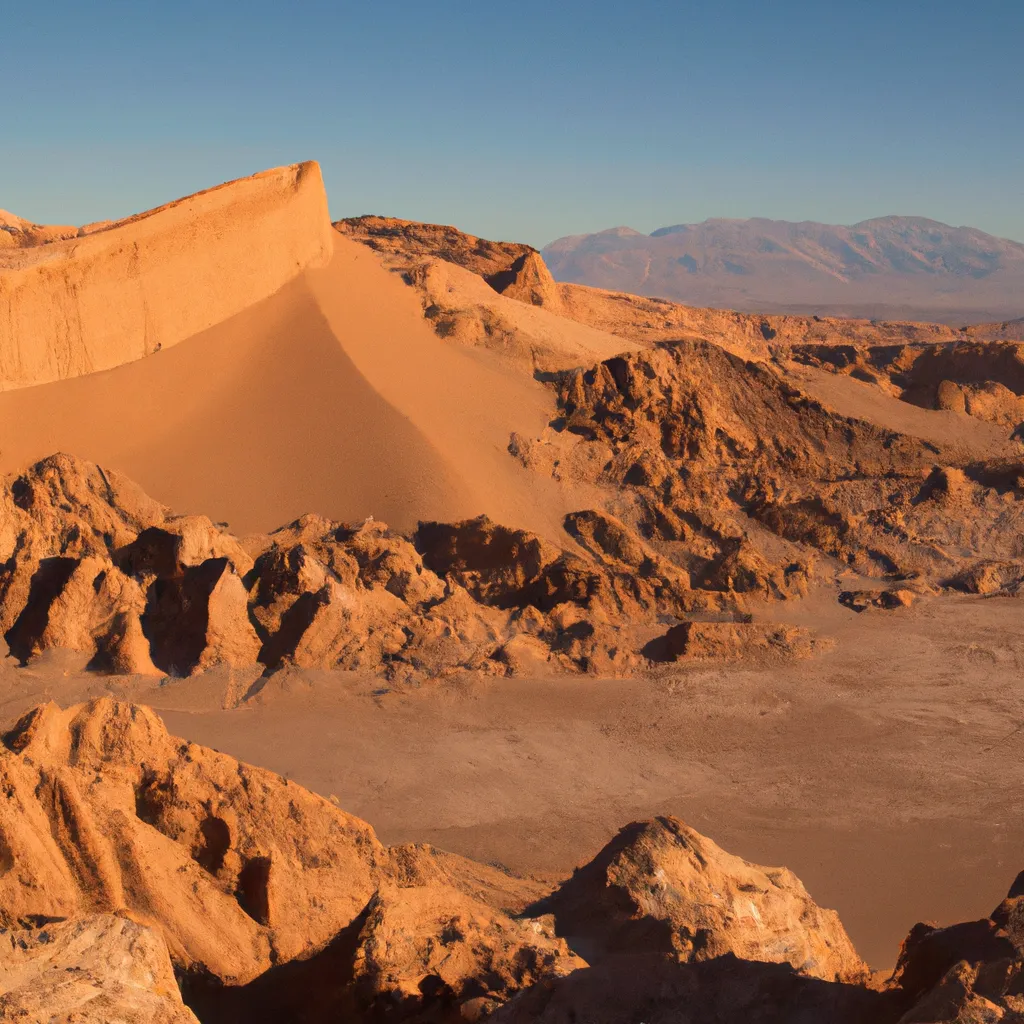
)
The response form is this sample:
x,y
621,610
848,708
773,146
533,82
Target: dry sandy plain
x,y
886,773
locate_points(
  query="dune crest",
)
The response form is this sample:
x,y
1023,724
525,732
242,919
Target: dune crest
x,y
113,295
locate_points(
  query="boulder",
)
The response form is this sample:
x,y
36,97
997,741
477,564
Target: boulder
x,y
661,887
96,969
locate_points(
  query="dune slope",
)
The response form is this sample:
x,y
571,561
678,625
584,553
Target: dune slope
x,y
331,395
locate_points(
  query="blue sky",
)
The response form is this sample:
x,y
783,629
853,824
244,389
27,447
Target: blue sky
x,y
528,120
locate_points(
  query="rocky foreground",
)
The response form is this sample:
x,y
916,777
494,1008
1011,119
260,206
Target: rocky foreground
x,y
131,860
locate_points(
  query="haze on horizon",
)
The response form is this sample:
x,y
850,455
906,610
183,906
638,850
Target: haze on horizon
x,y
530,124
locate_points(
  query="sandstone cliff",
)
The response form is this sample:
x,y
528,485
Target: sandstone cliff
x,y
92,302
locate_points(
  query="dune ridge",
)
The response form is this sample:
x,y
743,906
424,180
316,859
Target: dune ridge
x,y
88,303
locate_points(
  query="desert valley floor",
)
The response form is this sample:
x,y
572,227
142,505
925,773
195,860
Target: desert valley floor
x,y
890,785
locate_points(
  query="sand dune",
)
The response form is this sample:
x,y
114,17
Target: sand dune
x,y
333,395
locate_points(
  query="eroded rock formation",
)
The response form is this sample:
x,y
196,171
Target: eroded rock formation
x,y
130,859
661,887
121,291
274,904
94,969
92,565
980,379
717,484
392,236
239,870
708,455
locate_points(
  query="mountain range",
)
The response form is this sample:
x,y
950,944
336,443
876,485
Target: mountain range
x,y
907,268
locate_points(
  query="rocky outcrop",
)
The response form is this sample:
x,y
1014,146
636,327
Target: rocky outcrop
x,y
980,379
91,970
723,640
276,905
638,321
393,237
95,567
661,887
91,564
18,233
430,946
199,619
714,483
237,869
713,460
965,972
528,280
92,302
130,859
88,605
863,600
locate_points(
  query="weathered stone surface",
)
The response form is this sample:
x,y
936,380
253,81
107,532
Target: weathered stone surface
x,y
239,871
528,280
97,969
659,886
154,280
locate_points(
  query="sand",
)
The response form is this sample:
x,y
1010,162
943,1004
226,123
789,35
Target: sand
x,y
889,785
333,395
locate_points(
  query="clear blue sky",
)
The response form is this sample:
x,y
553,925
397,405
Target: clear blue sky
x,y
524,120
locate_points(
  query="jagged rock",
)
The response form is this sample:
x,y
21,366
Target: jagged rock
x,y
93,970
984,379
86,605
528,280
390,235
240,870
965,973
105,812
990,577
730,640
659,886
653,582
709,453
64,506
200,619
179,543
276,905
432,949
862,600
504,567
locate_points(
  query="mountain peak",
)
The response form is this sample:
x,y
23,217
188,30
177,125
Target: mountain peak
x,y
893,267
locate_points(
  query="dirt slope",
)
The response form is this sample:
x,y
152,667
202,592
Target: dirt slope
x,y
333,395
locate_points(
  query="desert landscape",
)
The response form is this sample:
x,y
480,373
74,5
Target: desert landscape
x,y
394,632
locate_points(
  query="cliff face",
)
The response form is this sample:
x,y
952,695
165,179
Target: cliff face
x,y
124,291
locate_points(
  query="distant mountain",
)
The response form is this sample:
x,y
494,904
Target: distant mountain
x,y
891,267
